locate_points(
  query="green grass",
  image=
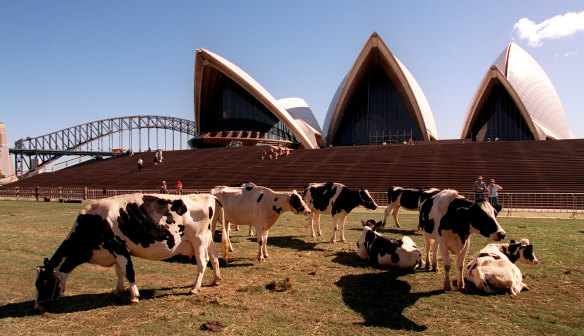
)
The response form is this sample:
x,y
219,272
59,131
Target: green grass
x,y
331,291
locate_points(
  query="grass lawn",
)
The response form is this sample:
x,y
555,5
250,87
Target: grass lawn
x,y
321,288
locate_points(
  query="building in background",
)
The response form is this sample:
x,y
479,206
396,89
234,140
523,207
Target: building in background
x,y
378,101
232,109
515,101
6,166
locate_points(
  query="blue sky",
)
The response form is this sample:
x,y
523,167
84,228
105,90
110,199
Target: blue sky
x,y
64,63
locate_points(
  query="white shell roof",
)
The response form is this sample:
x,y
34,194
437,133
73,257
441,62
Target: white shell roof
x,y
526,81
207,58
414,93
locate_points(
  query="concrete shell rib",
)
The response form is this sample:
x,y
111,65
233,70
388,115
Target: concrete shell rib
x,y
414,95
205,58
530,88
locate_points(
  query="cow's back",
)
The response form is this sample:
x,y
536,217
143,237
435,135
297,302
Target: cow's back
x,y
320,197
241,203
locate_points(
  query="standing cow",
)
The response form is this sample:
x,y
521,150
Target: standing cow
x,y
337,200
447,220
258,206
381,250
156,227
493,268
407,198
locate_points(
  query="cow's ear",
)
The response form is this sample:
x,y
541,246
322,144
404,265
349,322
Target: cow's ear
x,y
498,209
512,242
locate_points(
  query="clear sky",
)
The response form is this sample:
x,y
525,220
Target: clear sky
x,y
64,63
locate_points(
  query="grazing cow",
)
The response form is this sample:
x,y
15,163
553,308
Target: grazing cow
x,y
493,269
258,206
384,251
407,198
156,227
447,220
337,200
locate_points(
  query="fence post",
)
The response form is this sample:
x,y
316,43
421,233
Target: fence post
x,y
17,192
574,208
85,193
36,192
60,194
510,201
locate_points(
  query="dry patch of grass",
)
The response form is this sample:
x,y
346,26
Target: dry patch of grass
x,y
307,286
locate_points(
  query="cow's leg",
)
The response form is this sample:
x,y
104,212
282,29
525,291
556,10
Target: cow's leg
x,y
386,214
435,255
250,231
265,245
394,214
310,224
120,285
317,220
212,252
260,234
447,265
342,219
200,245
429,245
334,237
228,225
125,266
460,265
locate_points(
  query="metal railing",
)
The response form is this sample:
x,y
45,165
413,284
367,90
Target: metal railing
x,y
572,203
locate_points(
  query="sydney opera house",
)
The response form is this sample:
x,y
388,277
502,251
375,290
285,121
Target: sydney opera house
x,y
378,101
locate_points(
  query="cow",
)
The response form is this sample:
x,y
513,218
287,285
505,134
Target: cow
x,y
381,250
247,185
258,206
337,200
447,220
493,269
110,231
407,198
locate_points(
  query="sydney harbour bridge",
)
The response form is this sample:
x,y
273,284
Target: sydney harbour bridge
x,y
102,138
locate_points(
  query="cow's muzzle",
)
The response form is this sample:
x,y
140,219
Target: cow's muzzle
x,y
499,235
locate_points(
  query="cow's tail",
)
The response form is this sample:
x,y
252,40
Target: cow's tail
x,y
224,232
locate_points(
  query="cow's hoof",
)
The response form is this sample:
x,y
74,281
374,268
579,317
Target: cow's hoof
x,y
134,301
333,241
194,291
117,292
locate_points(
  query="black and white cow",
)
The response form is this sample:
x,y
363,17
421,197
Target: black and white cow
x,y
493,269
258,206
381,250
110,231
337,200
447,220
407,198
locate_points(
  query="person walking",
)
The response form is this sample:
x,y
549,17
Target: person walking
x,y
479,187
140,163
494,192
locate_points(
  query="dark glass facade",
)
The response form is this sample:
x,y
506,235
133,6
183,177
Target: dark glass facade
x,y
499,119
376,113
232,108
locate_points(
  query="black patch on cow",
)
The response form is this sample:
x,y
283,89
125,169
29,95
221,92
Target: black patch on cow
x,y
528,252
457,218
378,246
346,201
322,195
141,223
179,207
209,227
512,252
278,210
276,199
260,197
248,188
471,267
426,224
490,255
210,212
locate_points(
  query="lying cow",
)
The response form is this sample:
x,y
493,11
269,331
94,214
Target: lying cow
x,y
337,200
110,231
381,250
447,220
407,198
493,269
258,206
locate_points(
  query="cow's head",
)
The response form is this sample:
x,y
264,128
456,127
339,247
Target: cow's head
x,y
483,219
48,285
297,204
522,251
372,224
366,199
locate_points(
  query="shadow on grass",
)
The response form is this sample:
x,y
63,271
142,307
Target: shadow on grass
x,y
86,302
380,298
396,231
292,242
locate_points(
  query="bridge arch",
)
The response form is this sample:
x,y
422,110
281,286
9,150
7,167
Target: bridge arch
x,y
32,154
